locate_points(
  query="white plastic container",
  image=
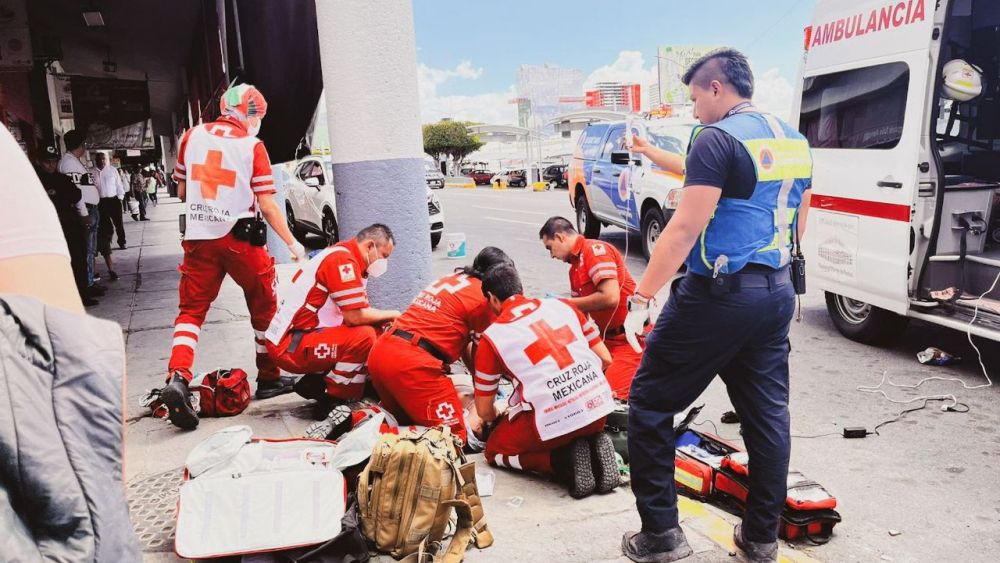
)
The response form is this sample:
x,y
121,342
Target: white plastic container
x,y
455,244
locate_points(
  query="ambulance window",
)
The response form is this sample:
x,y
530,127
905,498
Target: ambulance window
x,y
862,108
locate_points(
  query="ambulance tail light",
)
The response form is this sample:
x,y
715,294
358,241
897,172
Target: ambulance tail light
x,y
808,36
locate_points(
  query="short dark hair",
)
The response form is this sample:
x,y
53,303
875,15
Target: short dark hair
x,y
73,139
502,282
554,226
377,232
486,259
726,65
100,156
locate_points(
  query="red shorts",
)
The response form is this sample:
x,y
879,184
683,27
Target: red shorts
x,y
413,386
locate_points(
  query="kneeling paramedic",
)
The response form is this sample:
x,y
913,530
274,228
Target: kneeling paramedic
x,y
555,419
325,327
408,364
224,178
747,174
601,285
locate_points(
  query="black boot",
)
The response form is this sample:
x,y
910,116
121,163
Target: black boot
x,y
573,467
335,425
269,388
756,552
602,455
656,547
177,398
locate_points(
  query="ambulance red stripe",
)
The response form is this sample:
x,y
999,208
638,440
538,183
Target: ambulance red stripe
x,y
876,209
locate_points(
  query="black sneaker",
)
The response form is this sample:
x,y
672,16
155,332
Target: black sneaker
x,y
121,246
97,277
177,398
756,552
602,456
113,275
270,388
573,467
656,547
335,425
96,290
89,301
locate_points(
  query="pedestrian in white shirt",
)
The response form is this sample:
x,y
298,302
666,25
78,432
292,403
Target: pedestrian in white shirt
x,y
110,188
72,166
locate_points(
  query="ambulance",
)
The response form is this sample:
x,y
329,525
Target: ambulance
x,y
900,102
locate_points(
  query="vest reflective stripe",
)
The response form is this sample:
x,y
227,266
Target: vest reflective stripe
x,y
757,229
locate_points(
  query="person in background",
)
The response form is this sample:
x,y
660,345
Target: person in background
x,y
126,180
110,188
65,196
138,189
151,186
71,165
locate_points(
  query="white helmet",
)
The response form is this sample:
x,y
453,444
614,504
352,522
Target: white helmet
x,y
962,81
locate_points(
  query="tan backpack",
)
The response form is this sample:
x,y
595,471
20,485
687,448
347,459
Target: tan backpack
x,y
407,491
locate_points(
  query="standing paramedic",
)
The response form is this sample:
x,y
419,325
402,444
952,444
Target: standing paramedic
x,y
224,177
747,175
601,285
409,364
554,422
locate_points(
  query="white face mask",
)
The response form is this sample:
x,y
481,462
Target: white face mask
x,y
378,266
253,127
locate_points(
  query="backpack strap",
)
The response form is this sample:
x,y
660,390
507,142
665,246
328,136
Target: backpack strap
x,y
469,491
464,533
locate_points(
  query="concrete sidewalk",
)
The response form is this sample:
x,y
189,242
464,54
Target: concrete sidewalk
x,y
532,520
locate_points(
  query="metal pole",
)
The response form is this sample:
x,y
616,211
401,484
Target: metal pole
x,y
369,59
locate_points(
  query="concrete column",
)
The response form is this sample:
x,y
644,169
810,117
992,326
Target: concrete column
x,y
369,60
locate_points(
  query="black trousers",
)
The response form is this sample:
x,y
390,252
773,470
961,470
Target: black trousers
x,y
111,220
742,337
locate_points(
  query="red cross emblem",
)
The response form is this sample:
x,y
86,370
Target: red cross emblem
x,y
550,343
211,175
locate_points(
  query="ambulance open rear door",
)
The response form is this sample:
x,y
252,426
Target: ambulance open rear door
x,y
864,91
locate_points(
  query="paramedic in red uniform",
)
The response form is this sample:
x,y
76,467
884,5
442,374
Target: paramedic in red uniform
x,y
601,285
554,356
325,326
408,364
224,177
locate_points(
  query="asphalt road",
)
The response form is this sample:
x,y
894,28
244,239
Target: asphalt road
x,y
924,489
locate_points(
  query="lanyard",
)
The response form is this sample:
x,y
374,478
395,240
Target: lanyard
x,y
739,107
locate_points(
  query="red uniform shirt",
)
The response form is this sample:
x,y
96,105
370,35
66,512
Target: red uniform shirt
x,y
448,313
490,365
592,262
339,280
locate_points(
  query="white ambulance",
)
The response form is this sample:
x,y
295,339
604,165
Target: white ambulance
x,y
900,101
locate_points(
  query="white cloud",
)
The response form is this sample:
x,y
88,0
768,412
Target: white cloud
x,y
491,107
773,93
628,68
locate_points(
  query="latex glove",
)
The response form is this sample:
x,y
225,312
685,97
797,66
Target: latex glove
x,y
635,321
298,251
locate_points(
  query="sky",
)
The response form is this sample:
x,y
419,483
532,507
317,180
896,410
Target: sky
x,y
469,51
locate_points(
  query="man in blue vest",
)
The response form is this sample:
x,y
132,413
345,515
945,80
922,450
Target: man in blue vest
x,y
746,190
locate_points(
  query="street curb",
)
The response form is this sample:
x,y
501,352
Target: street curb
x,y
713,525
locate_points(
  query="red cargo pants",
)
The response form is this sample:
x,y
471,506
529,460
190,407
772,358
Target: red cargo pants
x,y
206,264
624,364
515,443
342,351
412,385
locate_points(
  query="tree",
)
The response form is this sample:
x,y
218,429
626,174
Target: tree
x,y
450,138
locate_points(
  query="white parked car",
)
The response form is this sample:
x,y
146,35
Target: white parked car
x,y
433,176
310,202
